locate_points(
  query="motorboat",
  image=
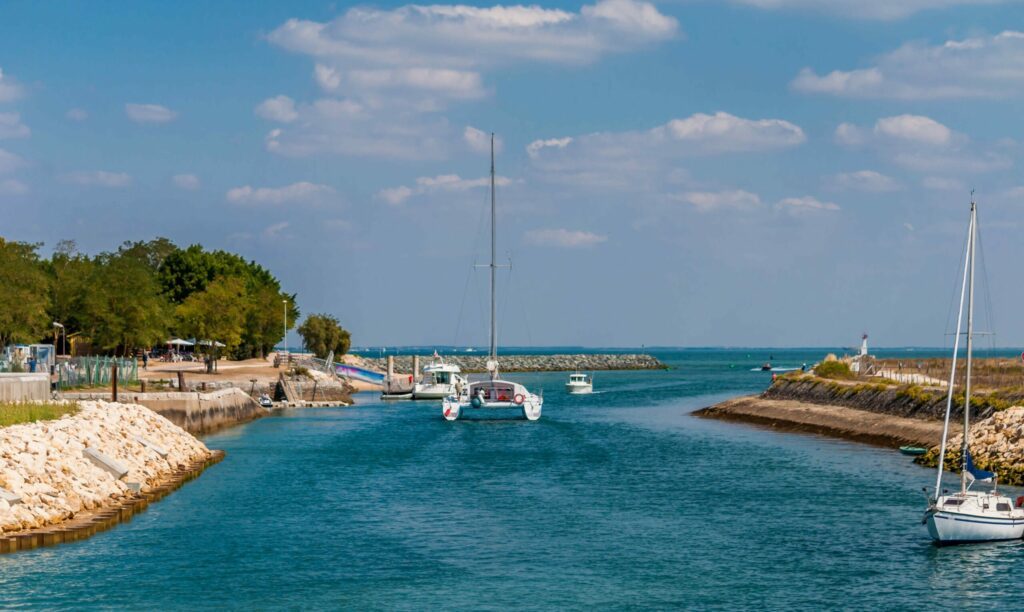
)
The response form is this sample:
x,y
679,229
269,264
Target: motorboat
x,y
966,515
440,380
493,398
579,383
265,401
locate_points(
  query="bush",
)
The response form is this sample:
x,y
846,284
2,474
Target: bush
x,y
833,369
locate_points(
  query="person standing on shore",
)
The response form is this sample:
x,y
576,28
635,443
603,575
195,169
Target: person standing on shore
x,y
145,360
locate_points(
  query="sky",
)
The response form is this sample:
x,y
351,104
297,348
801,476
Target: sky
x,y
676,173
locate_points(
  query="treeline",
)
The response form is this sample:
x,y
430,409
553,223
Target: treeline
x,y
140,295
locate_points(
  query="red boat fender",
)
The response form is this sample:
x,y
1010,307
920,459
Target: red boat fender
x,y
519,399
1020,501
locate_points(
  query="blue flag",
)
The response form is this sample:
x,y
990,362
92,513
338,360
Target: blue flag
x,y
977,474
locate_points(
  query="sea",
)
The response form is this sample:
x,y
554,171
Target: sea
x,y
621,499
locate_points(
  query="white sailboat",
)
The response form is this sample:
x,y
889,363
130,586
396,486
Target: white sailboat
x,y
969,516
493,398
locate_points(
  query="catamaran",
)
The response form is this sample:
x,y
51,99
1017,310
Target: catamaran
x,y
969,516
493,398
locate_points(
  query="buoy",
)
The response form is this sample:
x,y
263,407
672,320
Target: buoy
x,y
476,401
519,399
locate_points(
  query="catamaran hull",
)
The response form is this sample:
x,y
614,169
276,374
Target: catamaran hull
x,y
454,411
952,528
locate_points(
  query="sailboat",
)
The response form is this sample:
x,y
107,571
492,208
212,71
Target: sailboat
x,y
969,516
493,398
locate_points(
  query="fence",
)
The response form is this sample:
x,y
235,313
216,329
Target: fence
x,y
95,371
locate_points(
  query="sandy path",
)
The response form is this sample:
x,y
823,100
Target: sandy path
x,y
837,421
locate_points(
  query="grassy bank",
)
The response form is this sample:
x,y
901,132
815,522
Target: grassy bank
x,y
12,413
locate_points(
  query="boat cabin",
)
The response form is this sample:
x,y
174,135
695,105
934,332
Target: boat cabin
x,y
496,390
578,379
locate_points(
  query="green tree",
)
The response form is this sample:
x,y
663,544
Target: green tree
x,y
124,307
70,281
25,294
322,334
216,314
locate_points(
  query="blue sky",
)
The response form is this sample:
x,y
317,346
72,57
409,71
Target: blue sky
x,y
730,172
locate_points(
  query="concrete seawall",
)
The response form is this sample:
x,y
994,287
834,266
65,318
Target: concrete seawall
x,y
15,387
196,413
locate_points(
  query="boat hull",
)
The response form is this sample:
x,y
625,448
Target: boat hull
x,y
432,392
454,410
579,389
956,528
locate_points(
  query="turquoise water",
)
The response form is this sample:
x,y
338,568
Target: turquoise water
x,y
620,499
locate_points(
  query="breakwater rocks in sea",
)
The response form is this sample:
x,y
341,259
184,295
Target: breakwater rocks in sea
x,y
98,459
997,444
533,363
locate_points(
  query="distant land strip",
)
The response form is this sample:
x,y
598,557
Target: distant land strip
x,y
532,363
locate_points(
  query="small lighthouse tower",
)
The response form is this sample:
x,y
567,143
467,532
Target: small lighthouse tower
x,y
864,345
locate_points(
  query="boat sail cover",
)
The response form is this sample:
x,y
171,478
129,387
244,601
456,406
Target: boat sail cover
x,y
977,474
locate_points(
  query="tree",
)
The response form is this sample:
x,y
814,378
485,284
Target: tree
x,y
71,276
322,334
124,307
216,314
25,295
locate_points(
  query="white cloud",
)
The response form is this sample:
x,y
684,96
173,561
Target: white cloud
x,y
275,230
849,134
915,128
329,79
804,205
450,183
9,162
77,114
952,162
396,68
885,10
12,187
98,178
279,108
563,238
9,89
979,67
12,127
864,180
149,113
480,141
535,147
188,182
302,192
626,160
941,183
707,201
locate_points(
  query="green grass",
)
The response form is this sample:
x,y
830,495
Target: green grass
x,y
12,413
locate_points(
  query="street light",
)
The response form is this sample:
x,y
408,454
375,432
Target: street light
x,y
284,304
65,335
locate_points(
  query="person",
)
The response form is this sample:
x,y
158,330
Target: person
x,y
145,360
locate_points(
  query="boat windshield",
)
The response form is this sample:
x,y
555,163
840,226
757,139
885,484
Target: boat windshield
x,y
442,378
494,391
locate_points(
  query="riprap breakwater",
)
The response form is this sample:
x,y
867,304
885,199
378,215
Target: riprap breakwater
x,y
533,363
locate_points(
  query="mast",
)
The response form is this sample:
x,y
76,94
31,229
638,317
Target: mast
x,y
494,265
952,369
970,343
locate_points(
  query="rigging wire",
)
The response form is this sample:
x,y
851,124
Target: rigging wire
x,y
990,319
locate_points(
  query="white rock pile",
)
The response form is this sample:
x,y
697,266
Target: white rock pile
x,y
998,442
42,462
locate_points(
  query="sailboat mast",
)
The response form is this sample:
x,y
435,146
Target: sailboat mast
x,y
952,368
494,265
970,346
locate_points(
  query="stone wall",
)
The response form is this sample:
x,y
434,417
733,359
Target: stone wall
x,y
197,413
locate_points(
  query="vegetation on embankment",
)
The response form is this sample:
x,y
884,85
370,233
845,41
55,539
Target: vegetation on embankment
x,y
885,396
12,413
138,296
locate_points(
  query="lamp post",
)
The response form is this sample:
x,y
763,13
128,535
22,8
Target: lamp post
x,y
284,305
64,335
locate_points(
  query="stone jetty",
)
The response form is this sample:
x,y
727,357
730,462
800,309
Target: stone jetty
x,y
997,444
97,460
533,363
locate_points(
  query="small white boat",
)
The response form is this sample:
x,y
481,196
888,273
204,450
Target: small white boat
x,y
265,401
579,383
440,380
969,516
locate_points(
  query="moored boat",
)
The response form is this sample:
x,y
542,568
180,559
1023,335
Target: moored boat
x,y
579,383
969,516
439,380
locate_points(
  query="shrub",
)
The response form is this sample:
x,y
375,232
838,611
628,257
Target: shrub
x,y
833,369
12,413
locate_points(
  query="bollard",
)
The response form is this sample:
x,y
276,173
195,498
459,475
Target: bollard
x,y
142,385
415,368
181,381
113,380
